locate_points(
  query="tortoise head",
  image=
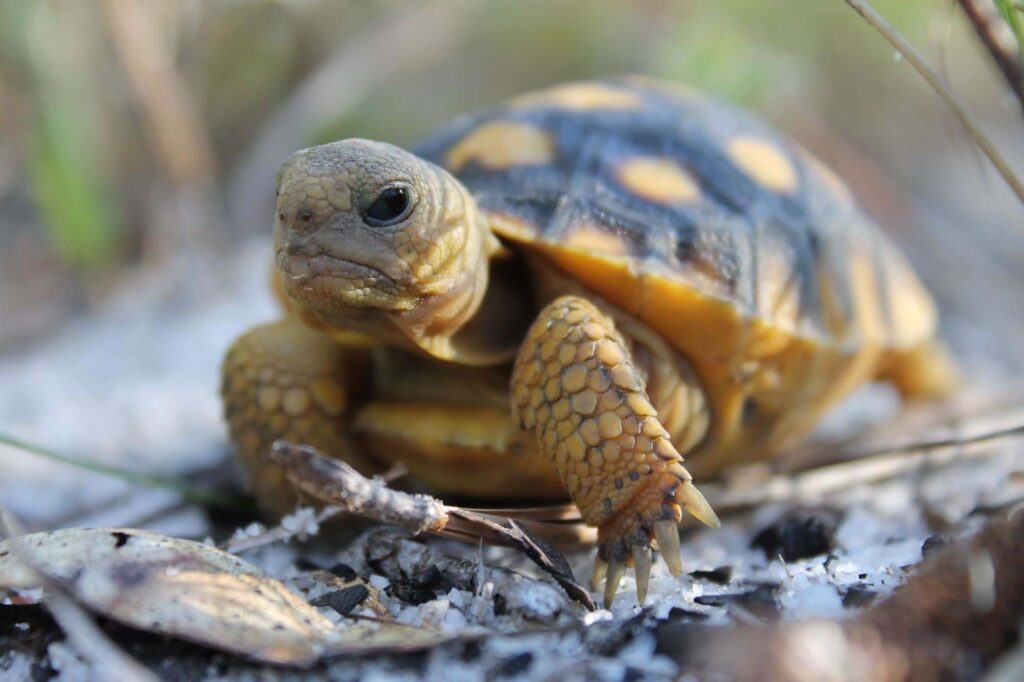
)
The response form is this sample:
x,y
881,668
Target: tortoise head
x,y
373,239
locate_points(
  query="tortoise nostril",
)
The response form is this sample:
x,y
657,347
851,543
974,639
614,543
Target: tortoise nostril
x,y
304,216
280,216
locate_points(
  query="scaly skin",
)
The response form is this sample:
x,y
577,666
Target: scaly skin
x,y
575,387
285,381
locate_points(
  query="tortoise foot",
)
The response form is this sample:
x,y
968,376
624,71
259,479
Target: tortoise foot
x,y
648,520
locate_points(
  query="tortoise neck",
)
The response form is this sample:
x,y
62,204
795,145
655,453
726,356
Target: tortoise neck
x,y
493,335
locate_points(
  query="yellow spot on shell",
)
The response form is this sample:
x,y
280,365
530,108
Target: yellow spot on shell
x,y
295,401
502,144
658,179
580,97
763,162
597,239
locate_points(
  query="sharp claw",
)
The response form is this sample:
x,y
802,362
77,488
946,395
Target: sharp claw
x,y
611,586
691,499
642,564
600,571
668,542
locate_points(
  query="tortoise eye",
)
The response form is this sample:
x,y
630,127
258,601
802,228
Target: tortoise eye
x,y
391,206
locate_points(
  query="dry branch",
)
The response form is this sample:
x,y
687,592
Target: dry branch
x,y
990,27
336,483
900,44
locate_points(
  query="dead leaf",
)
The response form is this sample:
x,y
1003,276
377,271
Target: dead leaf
x,y
174,587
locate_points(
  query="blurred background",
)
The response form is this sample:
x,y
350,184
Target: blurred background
x,y
139,141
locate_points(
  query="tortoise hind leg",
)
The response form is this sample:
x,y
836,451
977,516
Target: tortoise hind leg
x,y
576,389
285,381
922,372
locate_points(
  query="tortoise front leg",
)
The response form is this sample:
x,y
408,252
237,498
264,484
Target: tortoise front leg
x,y
575,387
285,381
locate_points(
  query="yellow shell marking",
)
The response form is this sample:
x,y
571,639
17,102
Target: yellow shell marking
x,y
763,162
510,226
597,240
581,97
502,144
658,179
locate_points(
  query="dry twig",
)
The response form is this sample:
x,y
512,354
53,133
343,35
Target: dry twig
x,y
878,22
989,26
173,123
334,482
279,533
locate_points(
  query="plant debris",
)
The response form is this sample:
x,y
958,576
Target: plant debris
x,y
334,482
799,534
344,600
719,576
196,592
961,611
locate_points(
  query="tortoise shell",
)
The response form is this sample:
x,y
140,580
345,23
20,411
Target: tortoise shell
x,y
723,236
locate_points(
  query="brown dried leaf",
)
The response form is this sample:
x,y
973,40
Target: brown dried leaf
x,y
174,587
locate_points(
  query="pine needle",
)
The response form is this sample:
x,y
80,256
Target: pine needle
x,y
190,491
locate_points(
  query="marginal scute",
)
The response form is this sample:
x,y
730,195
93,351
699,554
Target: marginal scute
x,y
502,144
510,226
597,239
763,162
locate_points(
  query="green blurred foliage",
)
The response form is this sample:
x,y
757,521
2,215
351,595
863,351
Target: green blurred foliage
x,y
75,211
71,118
1012,11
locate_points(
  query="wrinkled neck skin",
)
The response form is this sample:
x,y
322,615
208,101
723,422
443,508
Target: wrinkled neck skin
x,y
433,322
